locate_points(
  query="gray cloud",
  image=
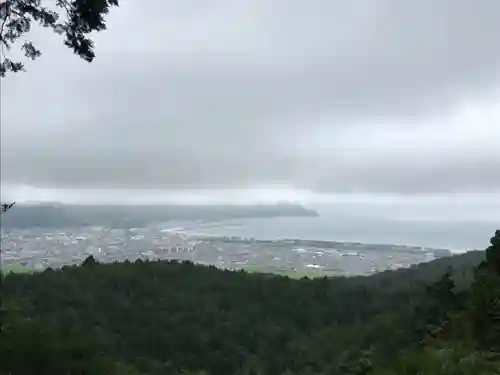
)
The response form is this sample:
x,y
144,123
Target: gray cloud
x,y
375,96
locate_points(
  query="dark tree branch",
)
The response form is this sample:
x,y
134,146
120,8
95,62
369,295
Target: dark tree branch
x,y
6,207
83,18
7,15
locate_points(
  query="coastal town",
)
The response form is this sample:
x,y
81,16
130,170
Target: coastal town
x,y
38,248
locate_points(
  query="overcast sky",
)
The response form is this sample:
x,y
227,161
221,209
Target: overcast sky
x,y
370,97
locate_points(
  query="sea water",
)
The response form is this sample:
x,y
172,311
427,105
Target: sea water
x,y
455,235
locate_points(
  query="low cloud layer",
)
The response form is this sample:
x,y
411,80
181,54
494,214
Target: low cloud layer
x,y
377,97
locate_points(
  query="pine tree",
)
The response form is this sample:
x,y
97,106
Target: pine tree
x,y
493,253
440,302
485,298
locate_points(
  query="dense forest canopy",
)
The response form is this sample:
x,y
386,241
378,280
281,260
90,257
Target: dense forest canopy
x,y
442,317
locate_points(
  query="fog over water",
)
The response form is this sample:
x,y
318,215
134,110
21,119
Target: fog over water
x,y
389,111
454,221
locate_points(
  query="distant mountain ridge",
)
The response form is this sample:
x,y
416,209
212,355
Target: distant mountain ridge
x,y
60,215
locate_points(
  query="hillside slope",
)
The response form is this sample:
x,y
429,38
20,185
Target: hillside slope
x,y
172,318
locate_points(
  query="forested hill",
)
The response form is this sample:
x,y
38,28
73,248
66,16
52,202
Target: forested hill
x,y
58,215
180,318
